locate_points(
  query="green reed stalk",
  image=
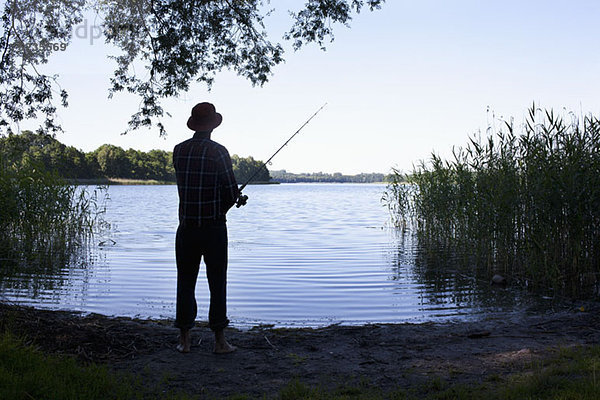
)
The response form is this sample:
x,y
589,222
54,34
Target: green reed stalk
x,y
526,204
44,222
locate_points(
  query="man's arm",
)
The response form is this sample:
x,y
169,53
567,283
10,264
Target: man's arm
x,y
175,159
229,187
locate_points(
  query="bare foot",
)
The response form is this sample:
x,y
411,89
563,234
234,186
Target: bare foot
x,y
221,345
185,342
224,348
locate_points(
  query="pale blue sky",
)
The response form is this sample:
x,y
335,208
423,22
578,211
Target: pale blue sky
x,y
412,78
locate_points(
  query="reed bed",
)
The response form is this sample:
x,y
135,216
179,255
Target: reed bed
x,y
44,222
524,203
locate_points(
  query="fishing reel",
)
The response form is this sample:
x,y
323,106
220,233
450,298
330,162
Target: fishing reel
x,y
241,201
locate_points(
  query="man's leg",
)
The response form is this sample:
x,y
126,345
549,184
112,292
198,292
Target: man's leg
x,y
188,255
216,273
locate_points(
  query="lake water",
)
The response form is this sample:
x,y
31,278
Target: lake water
x,y
300,255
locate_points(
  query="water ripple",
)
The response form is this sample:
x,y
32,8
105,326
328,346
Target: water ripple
x,y
300,255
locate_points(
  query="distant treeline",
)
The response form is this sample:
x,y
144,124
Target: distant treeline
x,y
287,177
107,161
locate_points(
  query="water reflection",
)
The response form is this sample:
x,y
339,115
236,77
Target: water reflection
x,y
305,255
45,280
450,279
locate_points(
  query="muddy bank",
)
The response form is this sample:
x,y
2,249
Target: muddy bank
x,y
385,356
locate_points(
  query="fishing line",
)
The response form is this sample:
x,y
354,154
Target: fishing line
x,y
268,162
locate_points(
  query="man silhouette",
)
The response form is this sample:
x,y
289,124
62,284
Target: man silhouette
x,y
207,190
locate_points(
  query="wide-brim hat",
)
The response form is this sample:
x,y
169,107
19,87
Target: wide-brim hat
x,y
204,117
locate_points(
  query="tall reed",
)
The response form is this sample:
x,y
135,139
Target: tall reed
x,y
525,202
44,222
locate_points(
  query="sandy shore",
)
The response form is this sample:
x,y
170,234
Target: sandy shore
x,y
385,356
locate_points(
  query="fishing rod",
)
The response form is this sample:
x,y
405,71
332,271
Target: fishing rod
x,y
264,164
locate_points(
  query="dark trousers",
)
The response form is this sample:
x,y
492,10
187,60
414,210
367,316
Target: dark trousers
x,y
191,244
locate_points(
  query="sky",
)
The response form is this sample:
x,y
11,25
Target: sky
x,y
413,78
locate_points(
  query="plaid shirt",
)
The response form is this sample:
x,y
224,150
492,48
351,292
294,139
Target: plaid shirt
x,y
205,181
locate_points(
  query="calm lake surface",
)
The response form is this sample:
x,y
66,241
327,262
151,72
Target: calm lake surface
x,y
300,255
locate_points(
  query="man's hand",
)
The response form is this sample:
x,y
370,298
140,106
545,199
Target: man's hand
x,y
241,201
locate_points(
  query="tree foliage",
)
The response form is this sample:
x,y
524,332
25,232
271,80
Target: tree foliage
x,y
245,168
107,161
176,42
42,149
28,31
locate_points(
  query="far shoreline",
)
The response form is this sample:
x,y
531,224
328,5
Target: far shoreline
x,y
136,182
151,182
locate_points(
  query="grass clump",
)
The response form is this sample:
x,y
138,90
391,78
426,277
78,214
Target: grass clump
x,y
525,203
26,373
566,373
570,373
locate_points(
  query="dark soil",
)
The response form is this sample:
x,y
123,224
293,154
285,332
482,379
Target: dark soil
x,y
387,357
